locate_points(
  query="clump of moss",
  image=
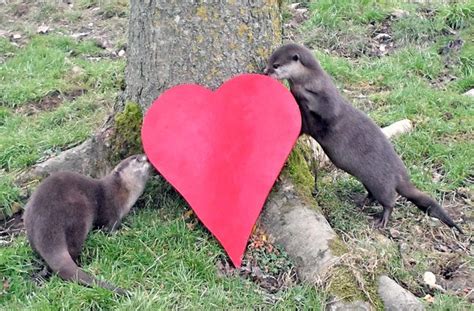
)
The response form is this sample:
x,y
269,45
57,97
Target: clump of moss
x,y
337,247
126,138
299,170
344,285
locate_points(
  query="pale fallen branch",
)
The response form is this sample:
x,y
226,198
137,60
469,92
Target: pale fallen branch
x,y
397,128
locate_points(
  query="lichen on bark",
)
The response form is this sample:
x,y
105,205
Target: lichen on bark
x,y
175,42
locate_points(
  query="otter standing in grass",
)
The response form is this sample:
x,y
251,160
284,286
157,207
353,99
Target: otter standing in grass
x,y
348,136
66,206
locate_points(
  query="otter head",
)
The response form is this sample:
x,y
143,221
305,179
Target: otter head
x,y
132,173
290,61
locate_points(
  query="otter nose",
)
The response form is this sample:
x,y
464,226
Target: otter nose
x,y
265,71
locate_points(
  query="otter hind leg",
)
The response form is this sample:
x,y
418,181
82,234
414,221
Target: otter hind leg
x,y
386,196
382,219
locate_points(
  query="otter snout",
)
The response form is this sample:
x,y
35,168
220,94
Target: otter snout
x,y
269,71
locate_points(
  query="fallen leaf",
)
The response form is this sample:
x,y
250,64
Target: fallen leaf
x,y
429,299
188,214
191,225
6,285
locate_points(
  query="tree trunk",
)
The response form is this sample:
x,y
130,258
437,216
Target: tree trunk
x,y
205,42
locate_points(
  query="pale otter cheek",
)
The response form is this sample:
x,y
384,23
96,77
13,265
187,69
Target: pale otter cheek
x,y
285,72
142,170
273,75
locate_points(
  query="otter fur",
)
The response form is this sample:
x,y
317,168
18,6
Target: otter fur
x,y
66,206
351,140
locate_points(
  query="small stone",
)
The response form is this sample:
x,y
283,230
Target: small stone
x,y
382,37
349,306
103,43
294,6
121,53
90,24
16,36
429,278
394,233
76,70
441,248
397,298
80,35
42,29
437,177
398,13
470,93
301,11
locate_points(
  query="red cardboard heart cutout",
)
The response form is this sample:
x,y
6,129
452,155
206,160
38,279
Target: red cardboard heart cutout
x,y
223,150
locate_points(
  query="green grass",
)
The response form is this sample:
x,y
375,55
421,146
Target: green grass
x,y
30,132
6,47
403,84
155,255
40,67
168,265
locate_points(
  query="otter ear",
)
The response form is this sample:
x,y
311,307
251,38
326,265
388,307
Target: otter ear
x,y
295,57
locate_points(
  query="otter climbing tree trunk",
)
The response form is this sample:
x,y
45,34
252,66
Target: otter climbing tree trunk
x,y
205,42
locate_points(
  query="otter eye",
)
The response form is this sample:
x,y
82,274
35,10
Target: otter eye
x,y
295,57
275,66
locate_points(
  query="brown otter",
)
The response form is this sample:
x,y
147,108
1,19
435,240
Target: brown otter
x,y
349,137
67,205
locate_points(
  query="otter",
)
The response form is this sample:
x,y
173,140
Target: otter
x,y
351,140
66,206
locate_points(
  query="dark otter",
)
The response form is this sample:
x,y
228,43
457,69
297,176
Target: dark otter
x,y
349,137
67,205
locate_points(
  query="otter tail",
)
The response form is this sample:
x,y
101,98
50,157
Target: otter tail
x,y
62,264
426,204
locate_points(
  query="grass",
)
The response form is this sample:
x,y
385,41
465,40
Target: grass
x,y
157,257
169,265
30,130
404,84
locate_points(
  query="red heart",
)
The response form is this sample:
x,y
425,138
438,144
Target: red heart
x,y
223,150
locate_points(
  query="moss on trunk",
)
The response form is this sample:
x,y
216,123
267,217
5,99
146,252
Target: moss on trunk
x,y
126,135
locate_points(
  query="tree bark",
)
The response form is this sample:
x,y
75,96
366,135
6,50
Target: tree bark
x,y
196,41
